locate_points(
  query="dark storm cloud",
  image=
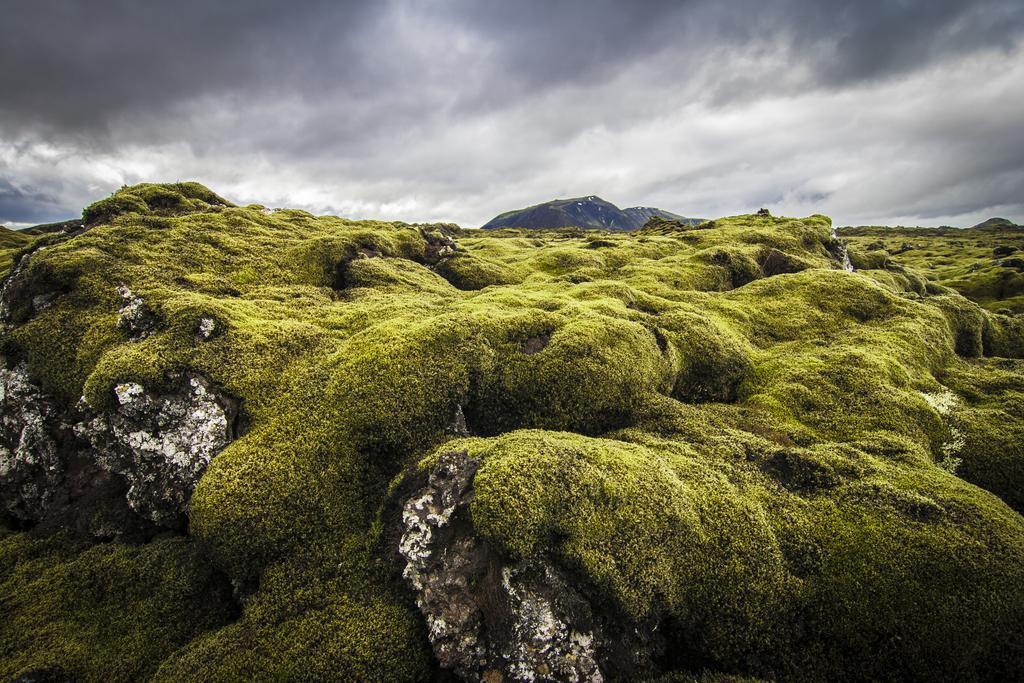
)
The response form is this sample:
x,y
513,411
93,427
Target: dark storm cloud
x,y
848,40
28,204
76,64
461,108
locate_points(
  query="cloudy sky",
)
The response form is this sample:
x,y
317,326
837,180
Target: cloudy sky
x,y
870,111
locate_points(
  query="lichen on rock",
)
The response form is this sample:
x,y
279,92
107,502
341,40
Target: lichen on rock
x,y
134,316
160,443
207,328
31,467
17,300
489,617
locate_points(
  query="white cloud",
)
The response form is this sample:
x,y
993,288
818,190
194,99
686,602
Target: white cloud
x,y
441,126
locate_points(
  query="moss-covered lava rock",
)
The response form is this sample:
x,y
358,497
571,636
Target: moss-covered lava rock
x,y
692,452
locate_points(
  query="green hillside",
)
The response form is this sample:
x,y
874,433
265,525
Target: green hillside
x,y
11,241
721,453
984,263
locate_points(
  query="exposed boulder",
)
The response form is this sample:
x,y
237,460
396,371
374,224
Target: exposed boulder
x,y
135,317
438,246
161,443
31,468
490,618
148,454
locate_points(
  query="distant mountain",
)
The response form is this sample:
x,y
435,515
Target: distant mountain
x,y
581,212
642,214
997,224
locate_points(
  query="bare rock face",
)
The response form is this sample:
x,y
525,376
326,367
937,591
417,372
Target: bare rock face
x,y
553,634
160,443
19,295
440,578
135,317
46,482
493,619
438,246
31,469
8,289
145,457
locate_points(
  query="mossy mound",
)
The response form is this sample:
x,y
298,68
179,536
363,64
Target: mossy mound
x,y
298,627
11,243
747,551
108,612
715,427
150,199
977,262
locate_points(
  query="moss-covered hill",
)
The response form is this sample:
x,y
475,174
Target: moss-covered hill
x,y
984,263
11,241
756,462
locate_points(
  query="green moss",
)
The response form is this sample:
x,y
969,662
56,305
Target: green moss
x,y
965,260
305,624
109,612
585,373
762,468
1003,335
12,243
986,423
714,360
873,259
767,558
967,324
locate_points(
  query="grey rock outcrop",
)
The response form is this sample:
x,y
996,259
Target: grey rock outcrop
x,y
31,469
490,618
437,246
134,316
15,304
149,452
160,443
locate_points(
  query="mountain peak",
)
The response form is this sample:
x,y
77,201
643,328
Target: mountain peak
x,y
590,211
996,223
